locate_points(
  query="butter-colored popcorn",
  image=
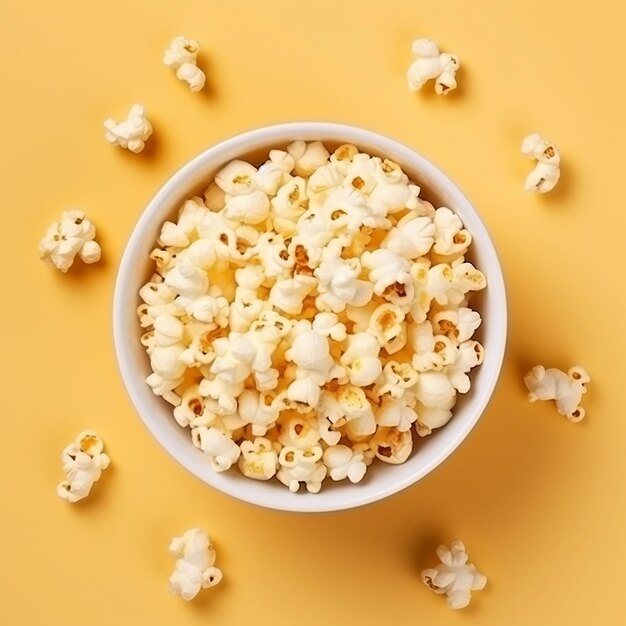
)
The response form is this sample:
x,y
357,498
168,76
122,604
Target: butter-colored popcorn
x,y
388,327
450,236
387,270
566,389
221,450
391,445
132,133
396,413
72,235
252,208
396,380
430,351
301,466
469,354
458,325
195,564
83,462
412,238
182,56
260,409
344,462
360,421
191,406
299,433
547,172
259,458
454,576
431,64
307,156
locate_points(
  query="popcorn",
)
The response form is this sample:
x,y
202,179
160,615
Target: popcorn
x,y
344,462
566,389
304,314
259,458
454,577
339,285
195,567
391,445
182,56
307,157
132,133
450,236
219,447
431,64
387,325
72,235
83,462
396,413
547,172
301,466
412,238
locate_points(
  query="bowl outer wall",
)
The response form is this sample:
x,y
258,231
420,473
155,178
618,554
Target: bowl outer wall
x,y
156,414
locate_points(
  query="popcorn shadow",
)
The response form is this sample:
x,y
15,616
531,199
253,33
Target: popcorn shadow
x,y
79,269
565,188
209,91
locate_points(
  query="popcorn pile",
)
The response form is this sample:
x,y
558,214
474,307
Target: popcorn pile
x,y
305,314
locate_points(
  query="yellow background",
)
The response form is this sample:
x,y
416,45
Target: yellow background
x,y
539,501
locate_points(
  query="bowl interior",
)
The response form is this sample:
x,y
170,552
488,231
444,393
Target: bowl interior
x,y
135,269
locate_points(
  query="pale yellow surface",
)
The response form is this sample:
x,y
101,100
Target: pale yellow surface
x,y
539,501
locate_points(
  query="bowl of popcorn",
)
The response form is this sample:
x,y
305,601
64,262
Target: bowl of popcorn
x,y
310,316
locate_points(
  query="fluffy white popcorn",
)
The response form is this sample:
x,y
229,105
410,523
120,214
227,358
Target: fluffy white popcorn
x,y
259,458
195,564
307,157
221,450
391,445
396,413
454,576
566,389
83,462
429,63
387,325
450,236
344,462
339,285
307,312
301,466
72,235
547,172
413,236
328,325
132,133
182,56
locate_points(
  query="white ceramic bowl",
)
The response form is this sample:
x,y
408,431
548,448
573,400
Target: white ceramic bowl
x,y
381,480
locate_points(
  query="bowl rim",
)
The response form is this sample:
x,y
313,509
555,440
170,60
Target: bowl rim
x,y
280,133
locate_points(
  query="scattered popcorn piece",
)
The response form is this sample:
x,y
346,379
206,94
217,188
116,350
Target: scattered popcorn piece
x,y
182,56
195,567
431,64
72,235
547,172
83,462
565,389
132,133
454,576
